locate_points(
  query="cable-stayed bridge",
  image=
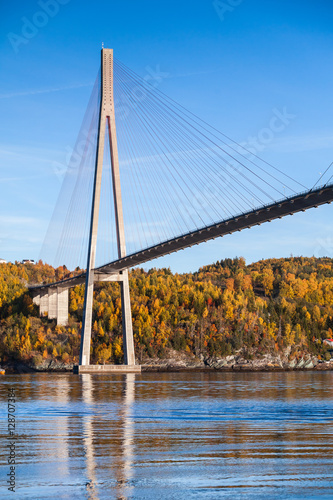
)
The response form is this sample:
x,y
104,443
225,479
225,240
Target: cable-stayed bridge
x,y
173,181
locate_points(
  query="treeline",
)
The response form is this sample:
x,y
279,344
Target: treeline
x,y
276,305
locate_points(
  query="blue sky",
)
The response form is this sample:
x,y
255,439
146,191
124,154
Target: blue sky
x,y
232,65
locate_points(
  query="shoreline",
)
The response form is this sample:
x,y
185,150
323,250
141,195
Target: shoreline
x,y
181,361
166,367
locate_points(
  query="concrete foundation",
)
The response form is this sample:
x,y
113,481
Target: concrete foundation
x,y
106,369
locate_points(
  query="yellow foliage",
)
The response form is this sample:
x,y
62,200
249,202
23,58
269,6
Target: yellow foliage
x,y
27,326
289,335
118,348
229,314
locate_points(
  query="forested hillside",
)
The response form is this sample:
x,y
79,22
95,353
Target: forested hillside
x,y
276,305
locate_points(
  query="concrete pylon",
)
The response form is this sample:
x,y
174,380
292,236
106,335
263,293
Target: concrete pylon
x,y
106,119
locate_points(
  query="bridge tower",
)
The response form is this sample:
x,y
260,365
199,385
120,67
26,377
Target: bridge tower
x,y
107,124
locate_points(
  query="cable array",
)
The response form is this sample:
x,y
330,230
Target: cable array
x,y
67,237
178,174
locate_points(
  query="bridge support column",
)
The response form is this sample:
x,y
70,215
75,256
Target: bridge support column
x,y
44,302
53,296
128,343
62,306
36,298
87,320
53,302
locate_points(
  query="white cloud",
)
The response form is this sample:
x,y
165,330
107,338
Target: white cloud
x,y
18,220
297,144
44,91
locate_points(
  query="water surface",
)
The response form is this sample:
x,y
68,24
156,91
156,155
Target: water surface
x,y
171,435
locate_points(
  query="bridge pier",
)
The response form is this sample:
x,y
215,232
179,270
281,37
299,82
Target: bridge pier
x,y
36,298
128,343
53,302
44,302
62,306
87,320
126,316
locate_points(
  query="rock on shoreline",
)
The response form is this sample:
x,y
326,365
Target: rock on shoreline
x,y
268,362
182,361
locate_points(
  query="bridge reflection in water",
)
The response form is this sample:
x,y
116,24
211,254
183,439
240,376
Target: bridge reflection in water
x,y
121,436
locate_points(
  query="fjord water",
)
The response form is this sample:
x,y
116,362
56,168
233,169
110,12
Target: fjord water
x,y
171,435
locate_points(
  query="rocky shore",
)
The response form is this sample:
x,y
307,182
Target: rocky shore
x,y
267,362
182,361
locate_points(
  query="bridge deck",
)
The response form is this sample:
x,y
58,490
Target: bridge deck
x,y
266,213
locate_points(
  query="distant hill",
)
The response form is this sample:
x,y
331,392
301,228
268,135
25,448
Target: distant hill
x,y
271,306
